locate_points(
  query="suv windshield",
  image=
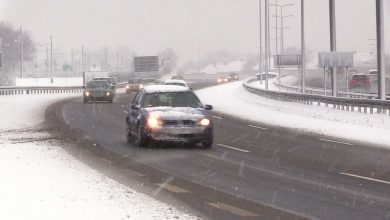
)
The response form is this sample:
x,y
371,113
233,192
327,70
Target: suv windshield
x,y
172,99
98,84
135,81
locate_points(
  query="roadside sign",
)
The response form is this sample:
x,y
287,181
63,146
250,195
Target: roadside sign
x,y
285,60
335,59
146,64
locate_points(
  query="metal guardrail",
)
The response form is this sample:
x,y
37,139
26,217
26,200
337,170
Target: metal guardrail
x,y
370,106
319,91
13,90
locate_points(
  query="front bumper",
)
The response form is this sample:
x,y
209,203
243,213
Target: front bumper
x,y
181,134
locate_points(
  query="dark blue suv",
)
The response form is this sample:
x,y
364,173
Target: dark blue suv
x,y
169,113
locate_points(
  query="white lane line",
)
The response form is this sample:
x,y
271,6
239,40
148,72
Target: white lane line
x,y
234,148
172,188
253,126
365,178
337,142
217,117
234,210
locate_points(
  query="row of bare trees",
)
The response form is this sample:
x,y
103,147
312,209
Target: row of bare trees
x,y
12,41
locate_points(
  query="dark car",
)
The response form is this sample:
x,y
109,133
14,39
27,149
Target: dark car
x,y
360,80
233,77
177,77
99,90
167,113
133,85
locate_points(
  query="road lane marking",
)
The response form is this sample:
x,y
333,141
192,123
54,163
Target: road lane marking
x,y
254,126
172,188
234,210
217,117
366,178
337,142
233,148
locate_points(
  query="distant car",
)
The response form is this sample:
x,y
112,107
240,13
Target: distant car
x,y
233,77
177,77
359,80
177,82
149,81
168,113
373,75
133,85
111,80
223,79
98,90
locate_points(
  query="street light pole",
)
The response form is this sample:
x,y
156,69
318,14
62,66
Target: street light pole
x,y
261,44
303,44
276,29
332,22
380,50
266,42
51,59
21,51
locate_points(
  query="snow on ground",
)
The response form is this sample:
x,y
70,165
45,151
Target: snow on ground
x,y
40,180
72,81
233,99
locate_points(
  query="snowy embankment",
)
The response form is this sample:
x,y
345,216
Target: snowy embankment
x,y
72,81
234,100
40,180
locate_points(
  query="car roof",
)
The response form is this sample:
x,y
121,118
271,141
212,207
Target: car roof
x,y
175,81
165,88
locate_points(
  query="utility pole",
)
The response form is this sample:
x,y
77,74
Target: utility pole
x,y
199,57
332,22
51,59
72,60
82,58
47,61
303,45
266,42
276,27
261,44
380,50
21,51
105,59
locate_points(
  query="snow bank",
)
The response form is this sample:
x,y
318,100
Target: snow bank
x,y
233,99
39,180
74,81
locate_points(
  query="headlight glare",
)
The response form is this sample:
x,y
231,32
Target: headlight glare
x,y
87,93
154,122
204,122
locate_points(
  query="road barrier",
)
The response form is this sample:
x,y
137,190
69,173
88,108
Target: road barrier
x,y
369,106
39,90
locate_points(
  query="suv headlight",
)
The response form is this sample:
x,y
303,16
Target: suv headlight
x,y
204,122
127,87
87,93
154,122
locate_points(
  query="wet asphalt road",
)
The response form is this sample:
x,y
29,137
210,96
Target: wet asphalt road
x,y
253,170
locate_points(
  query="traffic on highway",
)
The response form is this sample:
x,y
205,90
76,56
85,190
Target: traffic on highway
x,y
147,109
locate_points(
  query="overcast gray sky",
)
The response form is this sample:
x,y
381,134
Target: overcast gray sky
x,y
149,26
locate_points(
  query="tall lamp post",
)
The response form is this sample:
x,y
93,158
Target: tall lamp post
x,y
281,23
380,50
303,45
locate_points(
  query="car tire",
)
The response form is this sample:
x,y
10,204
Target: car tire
x,y
207,144
140,141
129,137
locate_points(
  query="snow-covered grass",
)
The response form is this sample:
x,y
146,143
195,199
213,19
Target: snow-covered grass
x,y
73,81
233,99
40,180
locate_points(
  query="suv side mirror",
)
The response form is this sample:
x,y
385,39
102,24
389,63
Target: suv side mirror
x,y
134,107
208,107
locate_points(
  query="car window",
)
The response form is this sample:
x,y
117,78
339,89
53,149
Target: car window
x,y
172,99
137,98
